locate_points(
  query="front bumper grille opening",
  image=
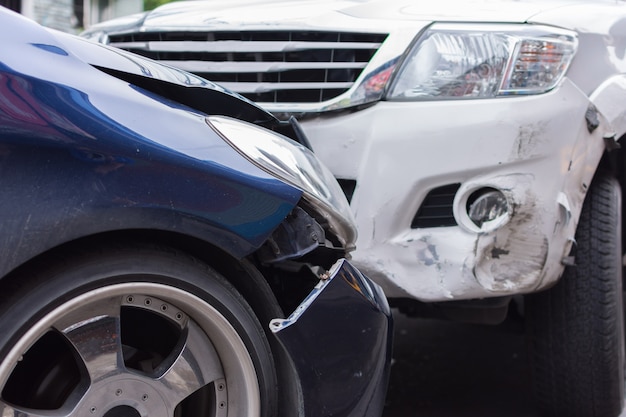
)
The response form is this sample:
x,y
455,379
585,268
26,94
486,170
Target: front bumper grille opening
x,y
436,209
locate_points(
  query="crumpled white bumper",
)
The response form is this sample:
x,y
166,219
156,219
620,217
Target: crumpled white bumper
x,y
537,150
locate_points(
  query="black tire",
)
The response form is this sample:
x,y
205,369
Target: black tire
x,y
576,328
132,331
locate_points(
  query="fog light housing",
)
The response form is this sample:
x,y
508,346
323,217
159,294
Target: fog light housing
x,y
487,205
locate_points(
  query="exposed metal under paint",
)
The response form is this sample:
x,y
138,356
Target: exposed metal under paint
x,y
527,143
428,254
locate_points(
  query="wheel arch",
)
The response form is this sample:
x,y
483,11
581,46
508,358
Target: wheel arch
x,y
240,272
608,99
244,274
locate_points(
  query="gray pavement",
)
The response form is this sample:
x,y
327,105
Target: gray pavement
x,y
446,369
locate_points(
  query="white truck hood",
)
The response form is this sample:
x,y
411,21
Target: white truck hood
x,y
219,14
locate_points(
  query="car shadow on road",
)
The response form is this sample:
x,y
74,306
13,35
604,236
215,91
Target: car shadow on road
x,y
447,369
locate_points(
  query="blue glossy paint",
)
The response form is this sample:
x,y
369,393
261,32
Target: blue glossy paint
x,y
51,48
340,340
83,152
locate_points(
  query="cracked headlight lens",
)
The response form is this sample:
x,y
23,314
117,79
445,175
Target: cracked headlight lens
x,y
294,164
453,61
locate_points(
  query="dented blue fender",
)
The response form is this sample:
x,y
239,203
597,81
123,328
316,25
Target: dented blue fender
x,y
331,357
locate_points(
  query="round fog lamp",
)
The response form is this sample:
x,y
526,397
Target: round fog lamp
x,y
487,205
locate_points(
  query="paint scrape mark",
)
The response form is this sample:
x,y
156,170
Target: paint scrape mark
x,y
427,254
527,141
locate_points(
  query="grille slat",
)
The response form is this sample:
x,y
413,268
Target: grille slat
x,y
265,66
244,67
266,87
239,47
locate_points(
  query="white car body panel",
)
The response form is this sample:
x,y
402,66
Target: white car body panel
x,y
527,156
538,149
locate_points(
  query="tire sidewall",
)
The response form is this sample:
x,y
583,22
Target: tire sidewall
x,y
576,328
40,290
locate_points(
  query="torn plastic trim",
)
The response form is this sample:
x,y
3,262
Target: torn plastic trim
x,y
295,237
340,336
592,118
295,165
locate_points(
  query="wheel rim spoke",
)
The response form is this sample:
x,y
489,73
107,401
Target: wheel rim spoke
x,y
96,336
195,365
155,367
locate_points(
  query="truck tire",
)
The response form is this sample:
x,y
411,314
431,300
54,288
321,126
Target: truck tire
x,y
576,328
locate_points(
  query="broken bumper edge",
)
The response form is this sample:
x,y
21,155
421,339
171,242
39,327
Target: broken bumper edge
x,y
340,341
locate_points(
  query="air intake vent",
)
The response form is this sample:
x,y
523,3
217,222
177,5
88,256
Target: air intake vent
x,y
266,67
436,210
348,187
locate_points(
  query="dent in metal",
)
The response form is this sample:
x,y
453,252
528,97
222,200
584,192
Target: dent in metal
x,y
325,336
511,258
510,252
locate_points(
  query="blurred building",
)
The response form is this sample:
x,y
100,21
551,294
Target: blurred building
x,y
73,15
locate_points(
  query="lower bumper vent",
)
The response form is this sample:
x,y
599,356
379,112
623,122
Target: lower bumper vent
x,y
436,209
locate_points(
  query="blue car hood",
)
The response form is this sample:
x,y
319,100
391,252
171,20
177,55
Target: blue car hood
x,y
90,140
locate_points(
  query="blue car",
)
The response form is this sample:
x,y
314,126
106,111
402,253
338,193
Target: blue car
x,y
169,249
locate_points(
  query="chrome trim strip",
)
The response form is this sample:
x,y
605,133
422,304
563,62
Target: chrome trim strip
x,y
268,87
238,67
240,46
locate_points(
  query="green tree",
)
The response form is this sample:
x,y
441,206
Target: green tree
x,y
153,4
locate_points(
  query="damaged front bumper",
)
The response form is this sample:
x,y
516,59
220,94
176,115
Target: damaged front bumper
x,y
538,153
339,340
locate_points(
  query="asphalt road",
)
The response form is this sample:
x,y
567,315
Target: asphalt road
x,y
446,369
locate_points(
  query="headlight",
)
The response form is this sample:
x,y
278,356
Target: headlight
x,y
451,61
294,164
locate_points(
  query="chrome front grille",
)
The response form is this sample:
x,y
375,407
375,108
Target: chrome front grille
x,y
266,67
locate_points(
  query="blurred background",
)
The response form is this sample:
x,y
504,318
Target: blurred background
x,y
73,16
